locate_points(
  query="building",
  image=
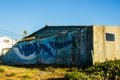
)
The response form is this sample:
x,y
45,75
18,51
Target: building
x,y
67,45
5,44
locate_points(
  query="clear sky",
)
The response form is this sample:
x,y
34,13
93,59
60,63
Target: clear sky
x,y
31,15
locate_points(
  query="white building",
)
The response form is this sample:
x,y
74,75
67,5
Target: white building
x,y
5,44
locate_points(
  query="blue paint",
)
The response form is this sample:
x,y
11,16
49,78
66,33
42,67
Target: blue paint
x,y
68,49
35,47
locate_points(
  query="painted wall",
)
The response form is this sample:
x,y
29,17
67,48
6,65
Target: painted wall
x,y
71,48
106,43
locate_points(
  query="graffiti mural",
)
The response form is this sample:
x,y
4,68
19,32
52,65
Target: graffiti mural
x,y
68,49
31,50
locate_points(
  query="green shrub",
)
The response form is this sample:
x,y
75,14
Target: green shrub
x,y
26,76
2,70
13,74
109,70
75,76
73,69
95,77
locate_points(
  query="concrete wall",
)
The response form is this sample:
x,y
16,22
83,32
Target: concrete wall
x,y
104,46
5,43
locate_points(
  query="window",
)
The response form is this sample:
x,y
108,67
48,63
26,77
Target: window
x,y
110,37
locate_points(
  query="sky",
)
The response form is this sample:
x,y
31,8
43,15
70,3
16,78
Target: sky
x,y
32,15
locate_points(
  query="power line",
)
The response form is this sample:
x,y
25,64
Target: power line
x,y
4,32
10,32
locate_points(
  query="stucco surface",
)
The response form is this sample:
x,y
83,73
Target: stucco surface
x,y
105,49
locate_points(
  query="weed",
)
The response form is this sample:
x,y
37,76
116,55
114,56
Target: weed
x,y
26,76
13,74
2,70
109,70
50,69
73,69
75,76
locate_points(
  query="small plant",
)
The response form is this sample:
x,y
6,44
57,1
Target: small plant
x,y
75,76
73,69
13,74
26,76
2,70
50,69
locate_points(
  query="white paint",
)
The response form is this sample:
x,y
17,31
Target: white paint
x,y
22,56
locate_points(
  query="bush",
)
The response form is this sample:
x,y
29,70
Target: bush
x,y
13,74
2,70
73,69
26,76
75,76
109,70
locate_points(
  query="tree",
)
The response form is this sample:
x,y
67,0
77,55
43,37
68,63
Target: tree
x,y
25,33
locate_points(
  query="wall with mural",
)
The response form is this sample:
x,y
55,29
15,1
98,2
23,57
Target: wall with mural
x,y
71,48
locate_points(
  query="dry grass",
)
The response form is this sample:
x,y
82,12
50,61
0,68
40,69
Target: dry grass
x,y
24,73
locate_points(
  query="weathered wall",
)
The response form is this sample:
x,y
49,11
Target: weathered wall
x,y
71,48
98,44
106,42
117,44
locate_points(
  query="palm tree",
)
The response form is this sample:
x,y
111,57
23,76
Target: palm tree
x,y
25,33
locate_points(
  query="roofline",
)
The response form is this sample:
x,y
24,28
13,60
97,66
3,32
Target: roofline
x,y
48,26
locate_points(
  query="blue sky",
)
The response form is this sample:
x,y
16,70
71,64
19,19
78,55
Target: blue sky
x,y
31,15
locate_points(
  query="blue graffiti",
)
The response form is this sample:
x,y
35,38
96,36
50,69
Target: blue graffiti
x,y
59,45
36,47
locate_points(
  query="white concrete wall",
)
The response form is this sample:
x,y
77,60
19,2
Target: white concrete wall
x,y
105,49
6,42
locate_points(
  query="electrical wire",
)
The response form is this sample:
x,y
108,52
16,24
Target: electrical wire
x,y
12,34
